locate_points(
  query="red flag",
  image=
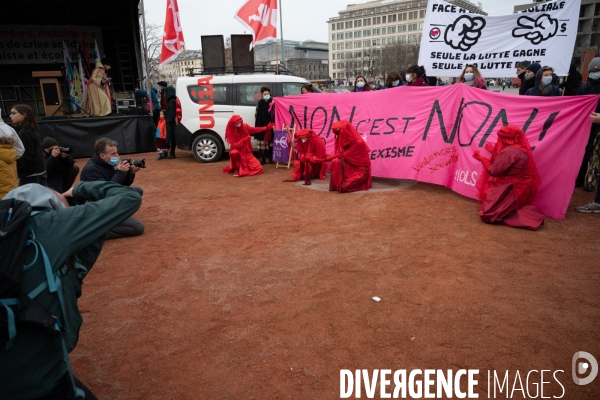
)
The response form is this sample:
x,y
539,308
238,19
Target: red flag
x,y
172,43
259,16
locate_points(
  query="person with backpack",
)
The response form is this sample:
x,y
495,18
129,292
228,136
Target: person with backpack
x,y
39,315
31,166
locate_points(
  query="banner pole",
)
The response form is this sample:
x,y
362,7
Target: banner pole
x,y
281,34
148,87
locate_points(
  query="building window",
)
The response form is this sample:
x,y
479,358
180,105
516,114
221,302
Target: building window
x,y
357,45
376,32
332,37
340,25
392,18
367,22
366,33
357,34
348,35
357,23
357,54
401,28
401,39
376,20
402,17
376,42
391,29
348,45
333,27
366,43
340,36
339,46
333,47
389,40
348,24
422,14
420,26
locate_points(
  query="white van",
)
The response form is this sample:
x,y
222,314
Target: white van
x,y
208,102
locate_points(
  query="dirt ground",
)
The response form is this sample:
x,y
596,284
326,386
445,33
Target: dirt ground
x,y
250,288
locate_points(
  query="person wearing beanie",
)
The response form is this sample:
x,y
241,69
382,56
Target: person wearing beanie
x,y
543,84
529,78
60,166
509,182
587,176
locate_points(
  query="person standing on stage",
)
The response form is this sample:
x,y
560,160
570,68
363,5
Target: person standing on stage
x,y
98,100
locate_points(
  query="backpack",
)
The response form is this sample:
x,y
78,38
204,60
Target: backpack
x,y
17,307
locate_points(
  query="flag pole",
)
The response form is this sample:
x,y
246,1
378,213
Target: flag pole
x,y
281,35
148,87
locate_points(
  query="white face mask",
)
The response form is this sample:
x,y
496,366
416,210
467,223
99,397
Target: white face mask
x,y
267,97
395,83
360,84
304,140
408,78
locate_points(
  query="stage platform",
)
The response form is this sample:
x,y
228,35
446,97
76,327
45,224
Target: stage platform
x,y
135,134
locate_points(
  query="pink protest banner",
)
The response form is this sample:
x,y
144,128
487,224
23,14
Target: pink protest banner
x,y
429,134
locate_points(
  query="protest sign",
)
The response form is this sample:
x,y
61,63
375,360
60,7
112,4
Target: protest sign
x,y
432,137
454,37
281,151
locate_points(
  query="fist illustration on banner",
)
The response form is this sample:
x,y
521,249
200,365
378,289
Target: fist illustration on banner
x,y
464,33
536,30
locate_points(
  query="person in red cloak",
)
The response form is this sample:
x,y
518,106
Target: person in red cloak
x,y
509,182
311,152
350,165
241,160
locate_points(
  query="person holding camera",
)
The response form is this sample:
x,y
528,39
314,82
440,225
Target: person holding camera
x,y
60,166
106,165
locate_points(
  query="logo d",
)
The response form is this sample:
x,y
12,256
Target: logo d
x,y
583,367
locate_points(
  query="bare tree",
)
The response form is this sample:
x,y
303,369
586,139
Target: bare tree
x,y
398,56
371,60
153,47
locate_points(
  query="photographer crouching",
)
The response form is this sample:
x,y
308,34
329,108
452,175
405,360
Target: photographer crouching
x,y
60,166
106,165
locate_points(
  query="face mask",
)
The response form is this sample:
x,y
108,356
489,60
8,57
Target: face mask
x,y
469,76
266,97
114,161
546,80
528,75
408,78
594,76
238,125
395,83
360,84
304,140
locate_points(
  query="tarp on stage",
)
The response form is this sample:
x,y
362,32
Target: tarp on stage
x,y
135,134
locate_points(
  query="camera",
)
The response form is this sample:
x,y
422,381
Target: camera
x,y
137,163
66,150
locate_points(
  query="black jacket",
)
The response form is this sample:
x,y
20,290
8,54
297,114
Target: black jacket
x,y
535,90
526,84
55,168
32,162
263,116
99,170
171,114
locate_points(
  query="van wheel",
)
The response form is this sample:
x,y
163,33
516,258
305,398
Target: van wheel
x,y
207,149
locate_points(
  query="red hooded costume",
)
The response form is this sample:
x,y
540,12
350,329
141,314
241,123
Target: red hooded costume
x,y
311,153
509,182
241,160
350,165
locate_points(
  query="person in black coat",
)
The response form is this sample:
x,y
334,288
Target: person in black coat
x,y
263,117
31,167
60,167
592,86
543,84
172,120
572,84
529,80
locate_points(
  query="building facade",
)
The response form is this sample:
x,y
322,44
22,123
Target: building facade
x,y
308,59
364,29
588,30
180,66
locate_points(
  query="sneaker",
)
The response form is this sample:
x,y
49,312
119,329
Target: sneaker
x,y
589,208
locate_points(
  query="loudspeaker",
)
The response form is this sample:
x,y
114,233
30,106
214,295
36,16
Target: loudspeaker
x,y
213,53
242,56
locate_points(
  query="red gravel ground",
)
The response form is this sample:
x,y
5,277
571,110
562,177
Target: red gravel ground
x,y
252,288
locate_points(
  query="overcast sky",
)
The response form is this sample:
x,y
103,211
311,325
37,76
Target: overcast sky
x,y
302,19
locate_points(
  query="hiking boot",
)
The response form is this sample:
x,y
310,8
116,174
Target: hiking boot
x,y
170,156
589,208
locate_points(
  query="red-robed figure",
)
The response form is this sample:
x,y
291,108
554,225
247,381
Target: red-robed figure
x,y
350,165
311,153
241,160
509,182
